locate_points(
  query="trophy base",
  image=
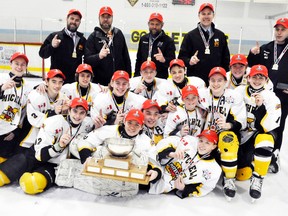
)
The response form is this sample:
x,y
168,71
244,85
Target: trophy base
x,y
118,163
135,173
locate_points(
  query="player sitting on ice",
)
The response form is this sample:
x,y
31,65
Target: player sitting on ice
x,y
189,118
52,145
39,107
263,118
92,145
13,99
188,165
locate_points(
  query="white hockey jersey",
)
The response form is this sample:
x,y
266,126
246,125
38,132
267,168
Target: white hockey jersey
x,y
271,119
95,139
72,90
200,171
230,104
50,134
156,133
194,119
136,81
12,105
169,91
37,107
104,101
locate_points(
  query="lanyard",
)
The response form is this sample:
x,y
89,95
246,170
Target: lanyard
x,y
151,41
277,60
206,43
215,111
191,132
80,93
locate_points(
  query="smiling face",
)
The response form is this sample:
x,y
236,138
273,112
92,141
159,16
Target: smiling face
x,y
217,84
73,22
238,70
177,73
18,66
120,86
190,102
206,17
84,79
54,86
77,114
151,116
132,127
257,81
205,146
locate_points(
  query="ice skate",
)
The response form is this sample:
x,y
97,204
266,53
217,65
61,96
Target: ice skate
x,y
229,188
274,166
255,187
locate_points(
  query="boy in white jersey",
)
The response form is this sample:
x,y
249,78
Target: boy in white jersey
x,y
189,118
227,116
39,107
117,101
13,98
146,84
53,145
168,94
83,87
153,123
263,119
188,165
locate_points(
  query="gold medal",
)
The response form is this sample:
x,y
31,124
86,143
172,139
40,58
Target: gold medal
x,y
207,51
275,67
74,55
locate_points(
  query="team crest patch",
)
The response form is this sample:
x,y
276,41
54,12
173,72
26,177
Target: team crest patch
x,y
206,174
132,2
216,42
9,114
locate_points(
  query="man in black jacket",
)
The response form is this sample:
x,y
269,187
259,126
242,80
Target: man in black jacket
x,y
65,47
205,47
106,49
155,46
274,56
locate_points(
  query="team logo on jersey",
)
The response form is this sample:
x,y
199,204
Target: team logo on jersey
x,y
9,114
229,100
216,42
174,169
206,174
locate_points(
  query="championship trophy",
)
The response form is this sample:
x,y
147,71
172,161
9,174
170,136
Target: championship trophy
x,y
117,160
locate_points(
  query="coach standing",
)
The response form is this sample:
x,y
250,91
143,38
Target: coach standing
x,y
106,49
65,47
205,47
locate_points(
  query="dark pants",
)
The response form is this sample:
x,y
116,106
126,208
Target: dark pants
x,y
284,111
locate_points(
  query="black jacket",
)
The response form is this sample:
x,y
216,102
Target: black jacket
x,y
61,57
167,46
266,57
219,53
118,59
